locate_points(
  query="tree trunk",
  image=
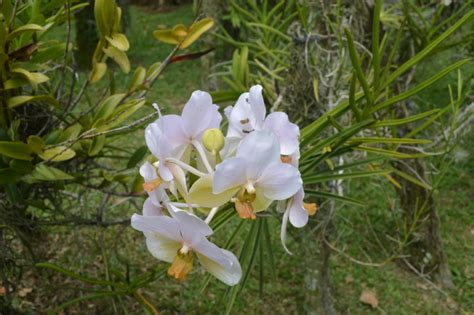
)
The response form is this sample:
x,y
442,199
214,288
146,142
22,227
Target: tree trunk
x,y
86,37
425,246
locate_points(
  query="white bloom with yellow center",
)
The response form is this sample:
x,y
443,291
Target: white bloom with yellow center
x,y
256,174
177,238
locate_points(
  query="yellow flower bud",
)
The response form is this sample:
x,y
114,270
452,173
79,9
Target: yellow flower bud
x,y
213,140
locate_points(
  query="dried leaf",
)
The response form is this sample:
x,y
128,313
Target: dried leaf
x,y
369,297
24,292
2,290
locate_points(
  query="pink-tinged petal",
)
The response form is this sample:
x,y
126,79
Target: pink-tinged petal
x,y
229,174
298,214
150,208
221,263
164,226
257,104
198,113
280,181
191,227
162,248
260,149
242,119
287,132
173,130
148,172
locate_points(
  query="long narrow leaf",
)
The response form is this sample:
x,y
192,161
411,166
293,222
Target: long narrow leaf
x,y
326,195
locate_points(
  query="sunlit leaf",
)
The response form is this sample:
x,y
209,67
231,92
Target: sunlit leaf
x,y
57,154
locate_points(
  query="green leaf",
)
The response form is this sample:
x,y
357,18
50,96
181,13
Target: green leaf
x,y
402,121
412,179
22,167
98,71
166,36
14,83
72,132
153,71
201,193
137,156
58,154
119,56
420,86
36,144
119,41
427,50
17,150
196,30
271,29
104,11
107,107
358,68
313,179
390,153
326,195
15,101
48,173
34,78
97,145
28,28
138,79
76,276
389,140
122,113
9,176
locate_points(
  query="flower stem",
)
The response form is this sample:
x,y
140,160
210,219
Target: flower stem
x,y
201,152
185,166
211,215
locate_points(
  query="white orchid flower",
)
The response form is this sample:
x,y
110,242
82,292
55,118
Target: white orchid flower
x,y
248,115
297,213
177,238
256,174
170,135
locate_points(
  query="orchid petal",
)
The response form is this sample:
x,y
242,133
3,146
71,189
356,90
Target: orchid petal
x,y
190,226
152,133
162,248
261,203
287,132
260,149
163,226
298,214
257,104
284,224
172,128
280,181
242,118
229,174
198,113
221,263
150,208
148,172
201,193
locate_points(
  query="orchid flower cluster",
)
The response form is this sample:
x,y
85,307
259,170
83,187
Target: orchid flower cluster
x,y
197,170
